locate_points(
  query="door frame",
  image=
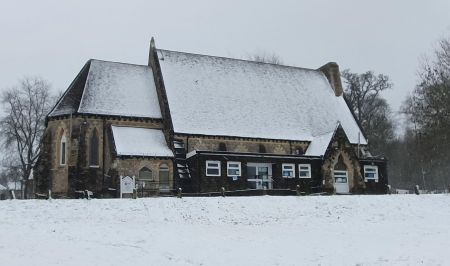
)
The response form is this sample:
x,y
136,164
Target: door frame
x,y
341,184
259,182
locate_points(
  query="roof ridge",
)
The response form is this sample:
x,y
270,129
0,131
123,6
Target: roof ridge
x,y
239,59
116,62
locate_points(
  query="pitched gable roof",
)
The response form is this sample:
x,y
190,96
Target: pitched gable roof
x,y
229,97
110,88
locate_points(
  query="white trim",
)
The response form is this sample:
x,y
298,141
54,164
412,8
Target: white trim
x,y
341,187
342,174
261,182
234,168
300,170
371,167
213,167
292,168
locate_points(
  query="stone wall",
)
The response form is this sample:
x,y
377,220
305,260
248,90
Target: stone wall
x,y
341,149
77,174
132,166
242,144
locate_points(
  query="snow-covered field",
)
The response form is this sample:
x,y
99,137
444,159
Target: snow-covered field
x,y
336,230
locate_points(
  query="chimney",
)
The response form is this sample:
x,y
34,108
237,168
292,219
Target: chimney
x,y
331,71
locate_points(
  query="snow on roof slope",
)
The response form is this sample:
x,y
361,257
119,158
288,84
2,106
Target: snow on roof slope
x,y
2,187
229,97
137,141
319,144
120,89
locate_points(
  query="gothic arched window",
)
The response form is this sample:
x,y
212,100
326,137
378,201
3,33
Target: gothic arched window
x,y
145,174
93,149
62,149
164,182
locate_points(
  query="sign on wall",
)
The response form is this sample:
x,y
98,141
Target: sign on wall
x,y
127,185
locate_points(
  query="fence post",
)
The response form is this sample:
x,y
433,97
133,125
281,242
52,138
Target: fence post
x,y
222,190
297,190
416,190
179,195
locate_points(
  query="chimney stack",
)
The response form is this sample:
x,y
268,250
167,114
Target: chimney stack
x,y
331,71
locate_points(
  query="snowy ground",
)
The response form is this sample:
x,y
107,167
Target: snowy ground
x,y
337,230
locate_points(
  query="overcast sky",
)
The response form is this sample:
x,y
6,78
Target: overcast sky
x,y
54,39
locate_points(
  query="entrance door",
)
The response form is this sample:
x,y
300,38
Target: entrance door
x,y
259,176
341,182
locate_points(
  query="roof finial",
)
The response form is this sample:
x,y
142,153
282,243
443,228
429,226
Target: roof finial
x,y
152,43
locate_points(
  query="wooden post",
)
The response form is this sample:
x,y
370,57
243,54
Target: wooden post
x,y
297,190
416,190
222,190
179,193
134,193
49,194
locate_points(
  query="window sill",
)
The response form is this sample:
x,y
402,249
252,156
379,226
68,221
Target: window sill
x,y
94,166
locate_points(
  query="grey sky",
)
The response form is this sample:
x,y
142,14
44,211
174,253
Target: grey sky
x,y
54,39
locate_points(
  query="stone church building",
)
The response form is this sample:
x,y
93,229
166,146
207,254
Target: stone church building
x,y
203,124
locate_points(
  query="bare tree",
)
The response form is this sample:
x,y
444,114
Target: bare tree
x,y
265,57
362,91
25,108
428,111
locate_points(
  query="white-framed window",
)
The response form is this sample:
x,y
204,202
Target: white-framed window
x,y
213,168
63,150
234,168
370,173
340,176
288,170
304,170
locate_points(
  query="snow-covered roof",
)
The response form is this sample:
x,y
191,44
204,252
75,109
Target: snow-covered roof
x,y
2,187
135,141
110,88
319,144
120,89
229,97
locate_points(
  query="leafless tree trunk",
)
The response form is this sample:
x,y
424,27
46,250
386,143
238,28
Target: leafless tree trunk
x,y
25,108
